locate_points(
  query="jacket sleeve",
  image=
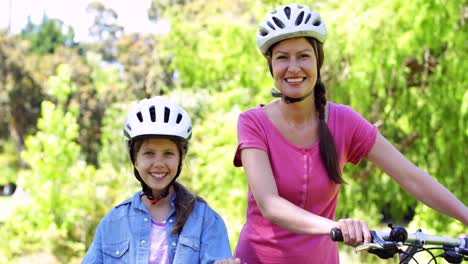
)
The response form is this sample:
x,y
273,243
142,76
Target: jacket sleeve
x,y
94,254
214,239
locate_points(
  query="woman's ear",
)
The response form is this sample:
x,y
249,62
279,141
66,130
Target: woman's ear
x,y
270,66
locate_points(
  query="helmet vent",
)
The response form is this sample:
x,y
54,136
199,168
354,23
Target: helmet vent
x,y
179,118
263,32
299,18
129,127
300,7
278,22
287,11
140,117
317,22
167,113
152,112
189,130
270,25
307,18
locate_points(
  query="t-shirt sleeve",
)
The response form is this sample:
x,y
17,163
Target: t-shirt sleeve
x,y
360,136
249,135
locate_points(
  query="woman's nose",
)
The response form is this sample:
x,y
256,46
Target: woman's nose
x,y
293,65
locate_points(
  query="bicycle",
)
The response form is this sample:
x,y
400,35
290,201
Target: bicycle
x,y
386,244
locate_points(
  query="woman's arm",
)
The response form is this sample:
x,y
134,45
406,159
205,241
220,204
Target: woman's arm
x,y
415,181
273,207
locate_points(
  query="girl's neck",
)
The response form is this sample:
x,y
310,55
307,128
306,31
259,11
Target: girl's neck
x,y
161,208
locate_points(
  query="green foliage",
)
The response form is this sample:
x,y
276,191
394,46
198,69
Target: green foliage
x,y
47,36
8,163
57,216
405,72
113,150
395,78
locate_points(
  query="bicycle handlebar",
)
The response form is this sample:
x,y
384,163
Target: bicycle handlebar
x,y
417,237
387,244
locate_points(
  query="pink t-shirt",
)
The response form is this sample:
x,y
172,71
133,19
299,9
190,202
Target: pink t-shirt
x,y
158,253
301,178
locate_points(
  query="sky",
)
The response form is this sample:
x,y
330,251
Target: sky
x,y
132,15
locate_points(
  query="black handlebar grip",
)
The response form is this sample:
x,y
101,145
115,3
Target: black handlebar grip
x,y
463,251
336,235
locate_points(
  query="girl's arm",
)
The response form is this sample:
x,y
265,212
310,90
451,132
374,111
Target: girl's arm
x,y
94,254
214,240
416,181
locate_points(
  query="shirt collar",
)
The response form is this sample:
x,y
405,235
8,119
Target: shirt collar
x,y
138,203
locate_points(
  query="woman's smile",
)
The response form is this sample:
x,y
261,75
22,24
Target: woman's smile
x,y
295,81
294,67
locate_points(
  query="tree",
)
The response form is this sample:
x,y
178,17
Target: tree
x,y
105,30
47,36
158,8
146,66
20,91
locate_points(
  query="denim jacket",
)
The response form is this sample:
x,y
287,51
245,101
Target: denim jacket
x,y
123,236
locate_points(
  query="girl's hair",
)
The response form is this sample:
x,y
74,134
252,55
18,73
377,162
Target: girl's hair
x,y
185,200
327,145
184,204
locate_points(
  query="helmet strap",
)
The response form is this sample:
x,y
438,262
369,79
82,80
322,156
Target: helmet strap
x,y
287,99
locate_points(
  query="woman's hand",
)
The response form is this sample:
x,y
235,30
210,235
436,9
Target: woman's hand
x,y
228,261
355,232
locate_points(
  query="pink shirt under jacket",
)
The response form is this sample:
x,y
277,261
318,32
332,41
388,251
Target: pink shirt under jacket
x,y
301,178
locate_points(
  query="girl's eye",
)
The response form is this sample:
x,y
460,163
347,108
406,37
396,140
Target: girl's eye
x,y
305,56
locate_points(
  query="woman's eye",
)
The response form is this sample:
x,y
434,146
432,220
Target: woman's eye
x,y
281,57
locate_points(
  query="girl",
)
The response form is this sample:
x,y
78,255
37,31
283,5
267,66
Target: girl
x,y
164,222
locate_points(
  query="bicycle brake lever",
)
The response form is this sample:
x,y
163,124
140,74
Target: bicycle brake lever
x,y
368,246
383,249
387,245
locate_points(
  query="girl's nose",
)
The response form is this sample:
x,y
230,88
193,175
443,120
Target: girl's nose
x,y
157,161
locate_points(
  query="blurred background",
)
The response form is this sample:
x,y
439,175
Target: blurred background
x,y
69,70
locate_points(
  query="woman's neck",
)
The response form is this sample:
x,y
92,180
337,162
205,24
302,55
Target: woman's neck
x,y
298,114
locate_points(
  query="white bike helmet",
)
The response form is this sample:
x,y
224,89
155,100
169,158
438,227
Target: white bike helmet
x,y
290,21
157,116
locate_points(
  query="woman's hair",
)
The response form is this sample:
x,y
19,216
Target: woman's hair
x,y
327,145
185,200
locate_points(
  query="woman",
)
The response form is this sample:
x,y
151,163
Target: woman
x,y
293,151
164,222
